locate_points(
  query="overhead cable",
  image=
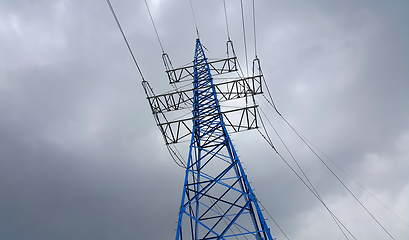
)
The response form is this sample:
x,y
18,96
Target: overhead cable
x,y
175,157
334,217
126,41
295,172
305,142
315,193
254,29
194,18
336,176
244,36
153,23
353,179
227,23
274,221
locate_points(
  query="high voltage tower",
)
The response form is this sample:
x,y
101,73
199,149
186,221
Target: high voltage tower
x,y
217,200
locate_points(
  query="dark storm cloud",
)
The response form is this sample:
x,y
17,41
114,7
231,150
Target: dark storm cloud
x,y
81,158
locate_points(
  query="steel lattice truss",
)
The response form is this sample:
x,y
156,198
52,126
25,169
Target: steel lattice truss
x,y
217,200
218,67
236,120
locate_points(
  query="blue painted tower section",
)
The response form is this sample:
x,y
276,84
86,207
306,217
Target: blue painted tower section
x,y
217,200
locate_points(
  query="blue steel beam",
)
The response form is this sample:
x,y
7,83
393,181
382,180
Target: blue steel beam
x,y
217,200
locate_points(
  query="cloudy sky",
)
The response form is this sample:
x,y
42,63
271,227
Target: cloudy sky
x,y
81,157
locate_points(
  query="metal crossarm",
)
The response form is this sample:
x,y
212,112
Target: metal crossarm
x,y
237,120
230,90
217,200
216,67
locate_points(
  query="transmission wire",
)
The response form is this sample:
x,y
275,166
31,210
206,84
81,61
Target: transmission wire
x,y
194,18
153,23
227,23
334,217
254,28
175,157
336,176
274,220
339,167
126,41
355,181
269,141
352,178
244,36
333,173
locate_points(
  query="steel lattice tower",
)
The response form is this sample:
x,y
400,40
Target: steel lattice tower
x,y
217,200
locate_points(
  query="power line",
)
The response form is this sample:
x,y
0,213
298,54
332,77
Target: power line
x,y
254,29
313,189
227,23
126,41
353,179
244,36
268,140
305,142
274,221
194,18
153,23
336,176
